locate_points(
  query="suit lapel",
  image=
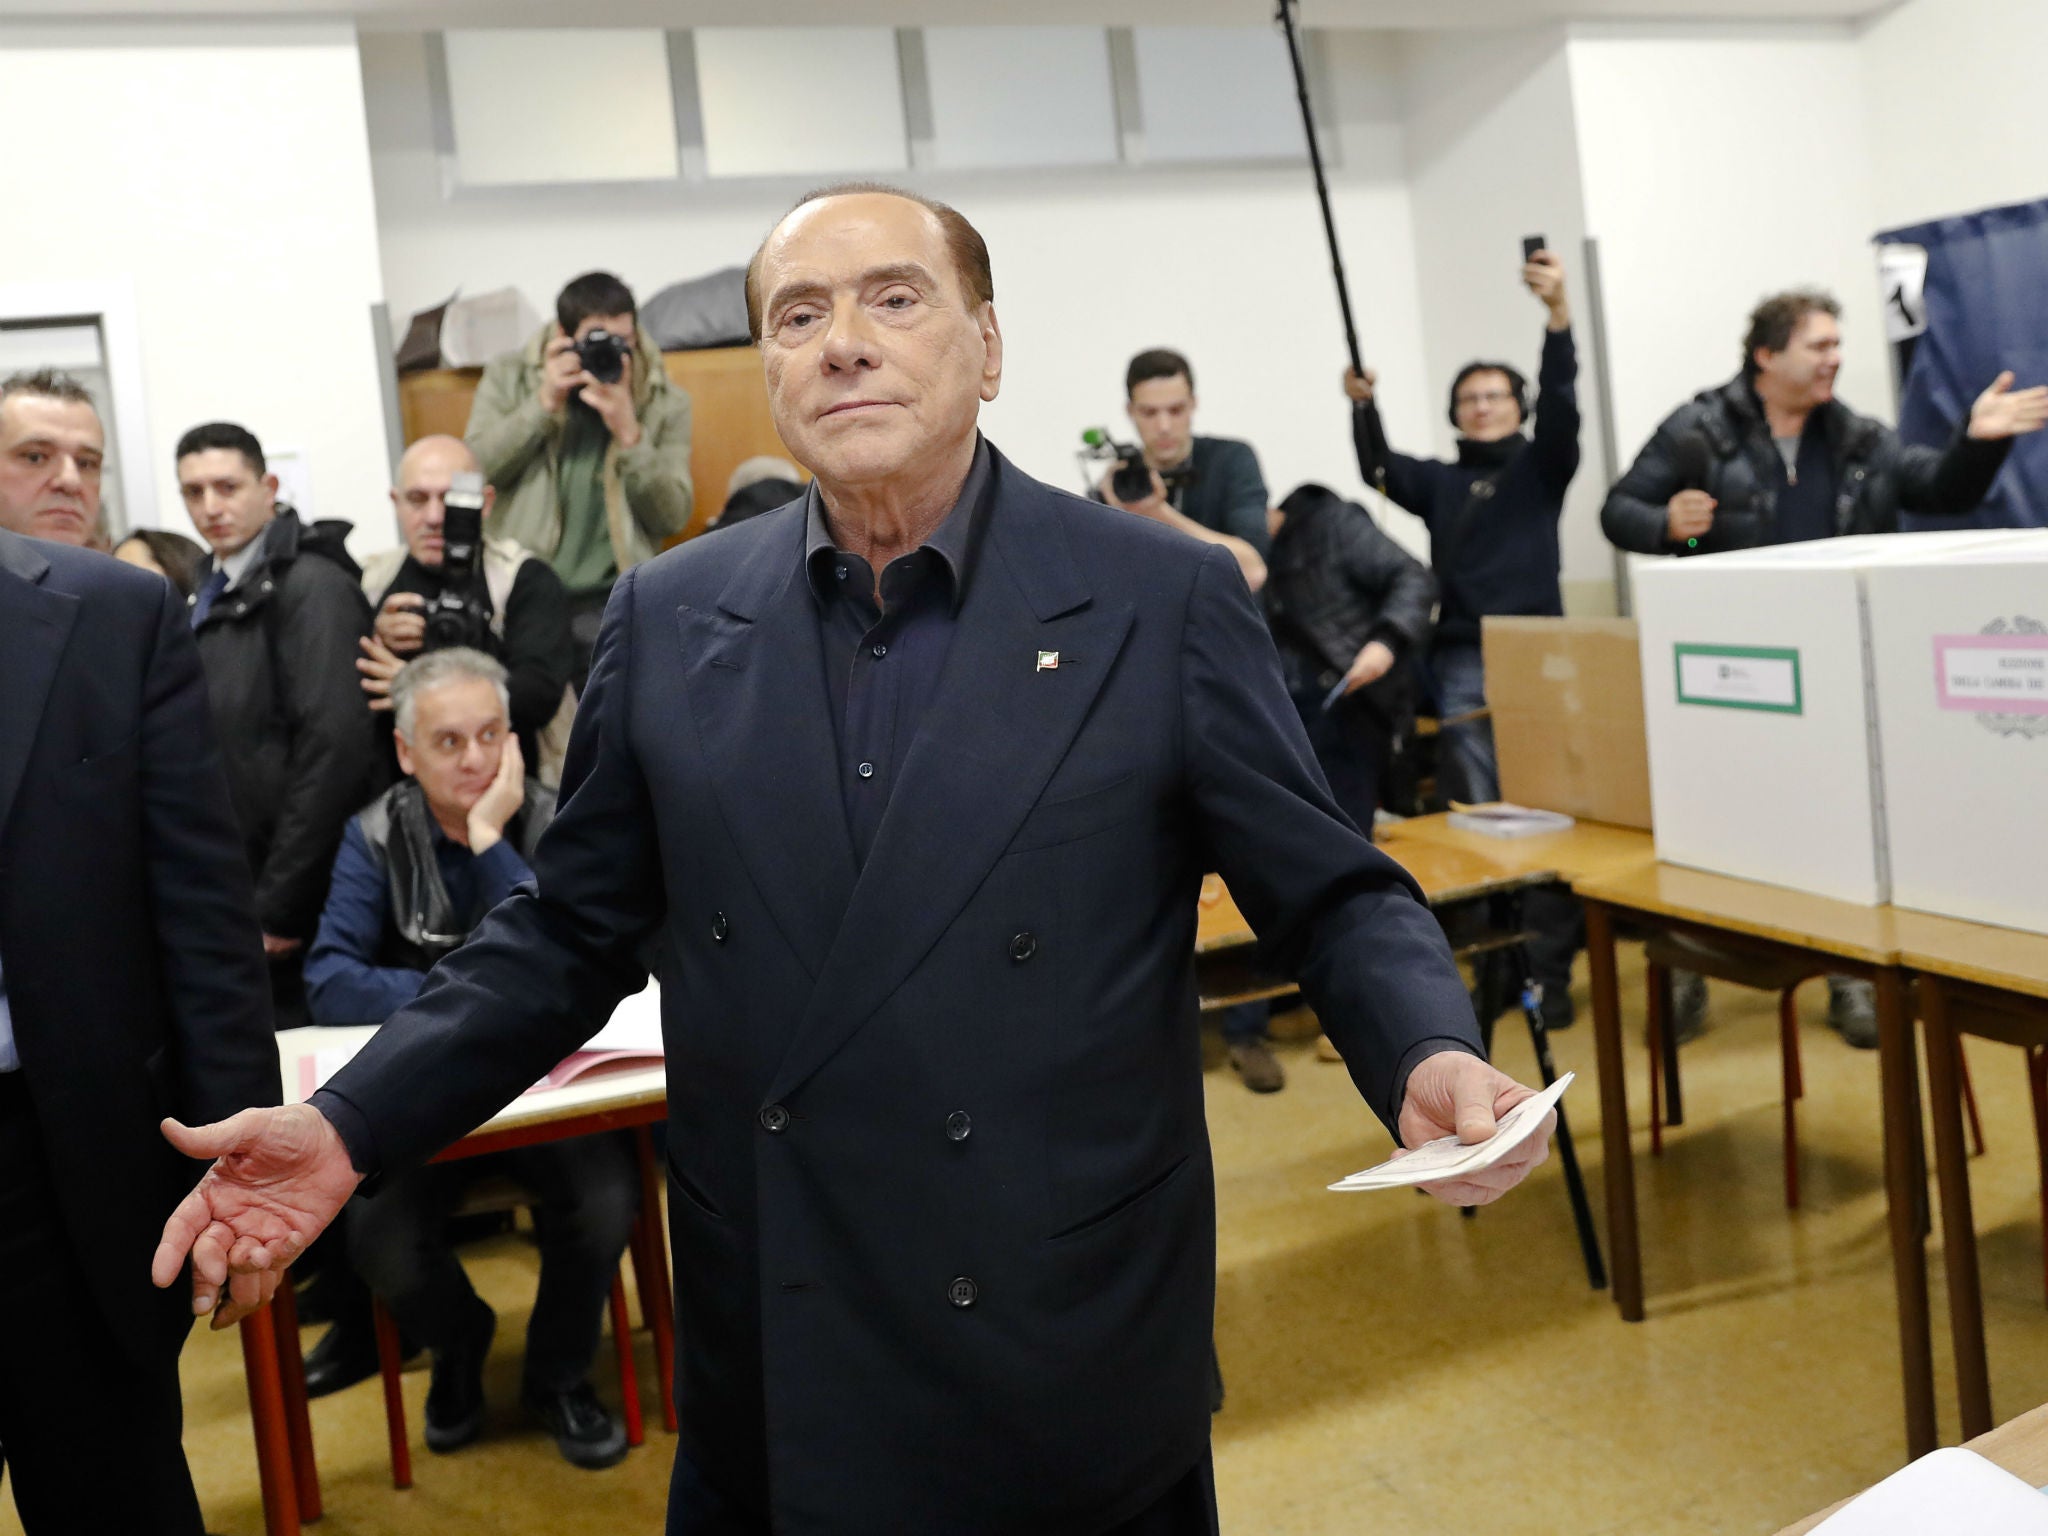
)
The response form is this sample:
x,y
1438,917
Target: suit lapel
x,y
990,739
35,623
755,680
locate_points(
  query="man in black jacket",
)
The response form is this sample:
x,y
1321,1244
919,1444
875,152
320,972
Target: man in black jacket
x,y
1772,457
1492,515
277,618
131,988
914,783
526,625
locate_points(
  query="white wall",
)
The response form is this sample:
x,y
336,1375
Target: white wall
x,y
1229,266
1701,207
1951,91
1493,156
224,172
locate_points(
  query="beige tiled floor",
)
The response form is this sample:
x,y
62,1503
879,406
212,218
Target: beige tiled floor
x,y
1393,1367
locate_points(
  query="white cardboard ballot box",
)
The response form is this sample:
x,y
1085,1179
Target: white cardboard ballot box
x,y
1759,705
1959,651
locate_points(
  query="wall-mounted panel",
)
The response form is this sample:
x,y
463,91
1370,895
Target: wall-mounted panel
x,y
561,105
801,101
1216,93
1020,96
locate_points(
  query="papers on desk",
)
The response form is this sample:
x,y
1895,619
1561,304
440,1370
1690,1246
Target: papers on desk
x,y
1951,1490
1500,819
1449,1158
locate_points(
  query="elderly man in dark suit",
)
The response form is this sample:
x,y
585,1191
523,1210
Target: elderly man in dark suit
x,y
915,782
132,986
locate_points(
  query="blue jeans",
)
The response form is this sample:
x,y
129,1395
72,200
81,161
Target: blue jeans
x,y
1466,767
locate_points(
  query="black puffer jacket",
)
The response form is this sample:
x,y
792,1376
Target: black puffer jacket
x,y
1720,443
1335,581
280,653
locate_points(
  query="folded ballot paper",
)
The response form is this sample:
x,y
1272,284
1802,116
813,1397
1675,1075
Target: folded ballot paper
x,y
1951,1490
1449,1158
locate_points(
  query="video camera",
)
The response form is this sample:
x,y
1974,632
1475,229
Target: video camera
x,y
1133,478
461,613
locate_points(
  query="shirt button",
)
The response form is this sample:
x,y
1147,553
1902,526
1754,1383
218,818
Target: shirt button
x,y
1023,947
719,928
774,1119
881,651
963,1292
866,770
958,1126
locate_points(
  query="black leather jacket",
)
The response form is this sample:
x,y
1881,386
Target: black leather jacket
x,y
1720,443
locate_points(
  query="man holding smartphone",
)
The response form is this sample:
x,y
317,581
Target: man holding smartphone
x,y
1492,515
588,444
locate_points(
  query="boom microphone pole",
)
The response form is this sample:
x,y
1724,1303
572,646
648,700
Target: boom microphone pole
x,y
1375,434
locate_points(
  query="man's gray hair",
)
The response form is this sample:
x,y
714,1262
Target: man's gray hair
x,y
49,383
455,664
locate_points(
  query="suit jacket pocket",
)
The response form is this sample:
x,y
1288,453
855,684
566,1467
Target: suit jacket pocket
x,y
691,1194
1123,1206
1073,817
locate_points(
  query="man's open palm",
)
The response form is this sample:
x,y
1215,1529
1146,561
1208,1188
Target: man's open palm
x,y
279,1177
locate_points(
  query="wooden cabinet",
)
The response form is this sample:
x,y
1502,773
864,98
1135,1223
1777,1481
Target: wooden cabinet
x,y
729,420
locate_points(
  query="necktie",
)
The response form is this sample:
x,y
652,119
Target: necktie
x,y
203,601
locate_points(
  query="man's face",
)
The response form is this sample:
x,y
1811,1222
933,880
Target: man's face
x,y
228,502
50,456
1163,411
1803,375
421,496
1487,408
458,735
877,363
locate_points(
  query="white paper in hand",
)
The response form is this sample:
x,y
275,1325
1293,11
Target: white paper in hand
x,y
1449,1158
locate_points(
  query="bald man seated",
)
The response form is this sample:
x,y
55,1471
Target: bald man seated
x,y
524,606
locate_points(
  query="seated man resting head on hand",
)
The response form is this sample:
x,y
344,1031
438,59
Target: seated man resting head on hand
x,y
418,870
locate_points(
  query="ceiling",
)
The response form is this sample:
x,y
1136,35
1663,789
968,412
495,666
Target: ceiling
x,y
414,15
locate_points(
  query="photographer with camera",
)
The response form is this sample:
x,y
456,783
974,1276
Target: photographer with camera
x,y
1208,487
450,585
588,444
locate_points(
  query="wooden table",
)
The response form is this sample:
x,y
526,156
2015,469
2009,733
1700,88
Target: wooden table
x,y
632,1098
1588,850
2020,1447
1776,922
1992,982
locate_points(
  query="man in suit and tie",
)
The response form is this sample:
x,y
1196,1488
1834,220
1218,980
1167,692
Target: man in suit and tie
x,y
132,987
914,782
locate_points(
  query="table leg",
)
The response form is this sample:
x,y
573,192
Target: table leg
x,y
650,1268
267,1417
1905,1181
1958,1230
1619,1171
298,1418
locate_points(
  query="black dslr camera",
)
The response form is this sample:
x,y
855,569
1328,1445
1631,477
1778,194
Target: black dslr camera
x,y
603,355
461,613
1132,480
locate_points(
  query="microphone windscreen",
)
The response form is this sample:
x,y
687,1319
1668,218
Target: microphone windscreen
x,y
1693,457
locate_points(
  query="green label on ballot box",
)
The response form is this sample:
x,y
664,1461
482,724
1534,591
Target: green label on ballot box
x,y
1740,677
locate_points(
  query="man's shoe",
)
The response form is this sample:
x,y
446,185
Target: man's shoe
x,y
1688,1006
455,1395
1557,1010
345,1355
1852,1011
1258,1066
585,1432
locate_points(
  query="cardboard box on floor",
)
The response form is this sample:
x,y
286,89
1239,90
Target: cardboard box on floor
x,y
1567,702
1960,653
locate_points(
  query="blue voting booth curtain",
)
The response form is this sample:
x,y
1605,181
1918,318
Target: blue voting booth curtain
x,y
1987,310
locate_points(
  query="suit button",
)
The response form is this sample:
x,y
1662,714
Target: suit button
x,y
958,1126
963,1292
774,1119
1023,947
719,928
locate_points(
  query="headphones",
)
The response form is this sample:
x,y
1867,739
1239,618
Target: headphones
x,y
1517,385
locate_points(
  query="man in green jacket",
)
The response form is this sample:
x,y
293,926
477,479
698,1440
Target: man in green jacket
x,y
588,444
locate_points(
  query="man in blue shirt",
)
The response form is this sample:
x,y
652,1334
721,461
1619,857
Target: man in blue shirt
x,y
417,871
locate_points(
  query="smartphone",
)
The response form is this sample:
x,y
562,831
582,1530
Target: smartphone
x,y
1531,244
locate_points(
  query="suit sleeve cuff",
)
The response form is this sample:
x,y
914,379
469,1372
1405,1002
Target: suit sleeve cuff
x,y
1418,1053
349,1124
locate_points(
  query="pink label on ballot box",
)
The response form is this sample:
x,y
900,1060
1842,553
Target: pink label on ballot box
x,y
1992,674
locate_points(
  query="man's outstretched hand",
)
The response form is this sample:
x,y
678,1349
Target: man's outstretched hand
x,y
279,1177
1453,1093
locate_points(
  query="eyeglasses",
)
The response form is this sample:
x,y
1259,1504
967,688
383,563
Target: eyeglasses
x,y
1489,397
